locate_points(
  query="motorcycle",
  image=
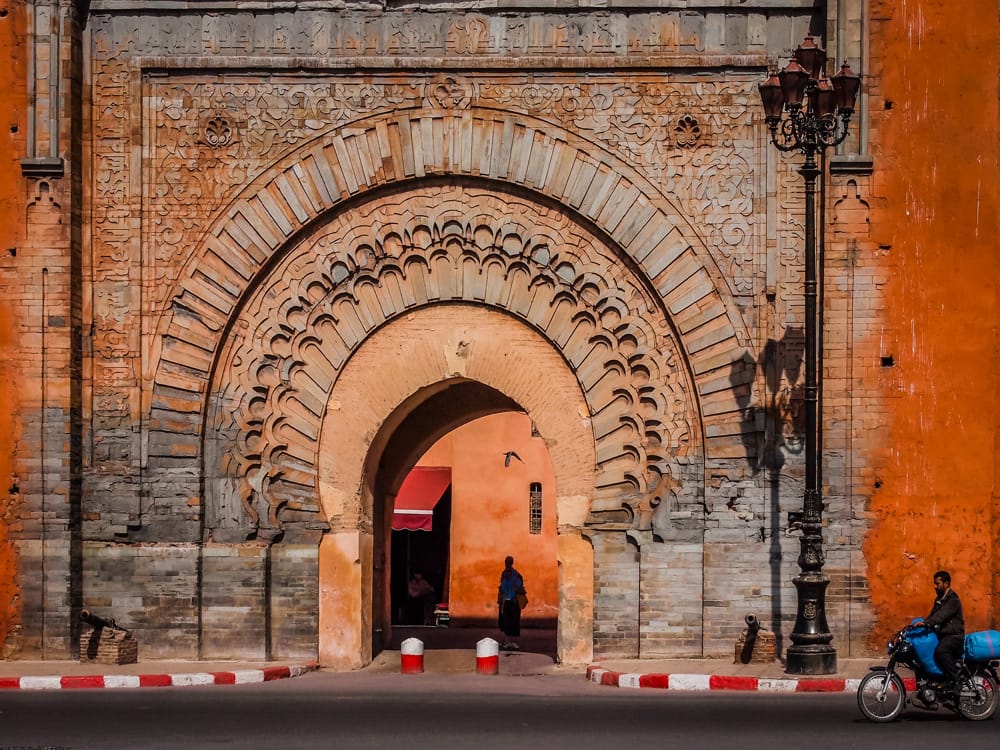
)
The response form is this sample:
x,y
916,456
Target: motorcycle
x,y
882,693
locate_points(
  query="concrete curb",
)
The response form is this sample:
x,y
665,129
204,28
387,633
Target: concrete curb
x,y
699,682
184,679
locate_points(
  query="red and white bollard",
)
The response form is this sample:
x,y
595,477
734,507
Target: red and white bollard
x,y
412,656
487,656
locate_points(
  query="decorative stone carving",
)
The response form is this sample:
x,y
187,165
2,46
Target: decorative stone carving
x,y
696,161
291,201
210,139
318,304
217,131
687,132
452,92
688,137
600,37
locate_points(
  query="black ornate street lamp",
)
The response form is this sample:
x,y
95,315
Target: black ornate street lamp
x,y
808,112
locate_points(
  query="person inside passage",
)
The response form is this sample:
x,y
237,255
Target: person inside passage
x,y
511,584
947,620
420,600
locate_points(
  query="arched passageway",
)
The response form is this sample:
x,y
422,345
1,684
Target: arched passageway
x,y
296,448
463,362
302,438
483,491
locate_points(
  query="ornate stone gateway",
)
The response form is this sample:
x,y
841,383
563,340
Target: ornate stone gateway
x,y
322,237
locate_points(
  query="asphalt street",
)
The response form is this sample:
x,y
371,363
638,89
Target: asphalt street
x,y
357,711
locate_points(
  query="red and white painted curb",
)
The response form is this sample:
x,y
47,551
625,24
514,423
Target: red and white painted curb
x,y
694,682
184,679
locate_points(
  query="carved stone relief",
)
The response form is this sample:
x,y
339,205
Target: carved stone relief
x,y
116,312
691,139
438,245
207,136
536,33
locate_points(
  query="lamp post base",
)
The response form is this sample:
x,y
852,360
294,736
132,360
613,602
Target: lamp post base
x,y
811,660
811,651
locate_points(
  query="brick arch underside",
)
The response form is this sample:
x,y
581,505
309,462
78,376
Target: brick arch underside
x,y
403,252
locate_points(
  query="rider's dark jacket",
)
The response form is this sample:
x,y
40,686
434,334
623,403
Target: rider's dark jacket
x,y
946,615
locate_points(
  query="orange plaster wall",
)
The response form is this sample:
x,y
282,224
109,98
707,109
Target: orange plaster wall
x,y
490,515
12,129
935,125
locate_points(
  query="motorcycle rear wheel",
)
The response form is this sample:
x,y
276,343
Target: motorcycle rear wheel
x,y
881,696
981,704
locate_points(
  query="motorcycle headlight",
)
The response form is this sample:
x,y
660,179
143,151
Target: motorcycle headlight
x,y
888,647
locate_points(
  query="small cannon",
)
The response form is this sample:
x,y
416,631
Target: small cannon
x,y
97,622
755,644
749,638
108,642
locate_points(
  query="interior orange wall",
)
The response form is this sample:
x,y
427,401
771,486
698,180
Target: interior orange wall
x,y
934,112
13,124
490,515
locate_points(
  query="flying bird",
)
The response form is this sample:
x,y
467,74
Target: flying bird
x,y
508,455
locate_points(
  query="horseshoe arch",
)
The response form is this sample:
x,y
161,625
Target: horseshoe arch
x,y
315,292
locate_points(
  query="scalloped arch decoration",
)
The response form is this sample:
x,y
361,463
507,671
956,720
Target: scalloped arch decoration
x,y
445,244
217,297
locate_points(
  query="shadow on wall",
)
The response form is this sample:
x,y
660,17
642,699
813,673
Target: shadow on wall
x,y
778,431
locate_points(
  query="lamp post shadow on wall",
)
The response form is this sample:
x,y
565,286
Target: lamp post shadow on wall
x,y
807,112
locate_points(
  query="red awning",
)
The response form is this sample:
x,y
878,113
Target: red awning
x,y
421,490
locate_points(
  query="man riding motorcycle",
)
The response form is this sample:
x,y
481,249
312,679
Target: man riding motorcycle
x,y
948,621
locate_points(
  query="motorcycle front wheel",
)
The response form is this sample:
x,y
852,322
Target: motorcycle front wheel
x,y
881,696
979,701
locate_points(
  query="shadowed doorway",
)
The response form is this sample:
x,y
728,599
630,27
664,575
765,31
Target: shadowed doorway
x,y
421,539
496,486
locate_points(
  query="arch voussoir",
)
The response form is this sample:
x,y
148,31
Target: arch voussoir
x,y
366,278
305,320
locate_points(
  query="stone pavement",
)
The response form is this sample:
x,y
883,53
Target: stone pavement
x,y
673,674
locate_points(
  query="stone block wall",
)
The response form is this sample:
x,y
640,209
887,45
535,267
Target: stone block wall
x,y
671,612
616,595
13,286
673,575
234,619
294,600
213,601
151,590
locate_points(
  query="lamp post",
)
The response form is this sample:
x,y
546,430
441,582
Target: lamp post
x,y
807,112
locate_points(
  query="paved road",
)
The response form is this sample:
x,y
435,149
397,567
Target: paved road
x,y
360,711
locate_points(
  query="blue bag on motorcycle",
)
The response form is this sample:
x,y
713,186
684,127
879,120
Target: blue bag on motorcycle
x,y
982,645
924,642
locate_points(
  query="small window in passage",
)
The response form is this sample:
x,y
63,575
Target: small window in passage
x,y
535,508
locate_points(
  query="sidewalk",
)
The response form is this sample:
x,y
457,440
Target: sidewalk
x,y
53,675
671,674
721,674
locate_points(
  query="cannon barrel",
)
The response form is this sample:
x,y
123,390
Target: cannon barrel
x,y
749,638
96,621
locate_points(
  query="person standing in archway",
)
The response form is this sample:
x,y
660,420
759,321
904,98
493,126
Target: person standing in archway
x,y
510,596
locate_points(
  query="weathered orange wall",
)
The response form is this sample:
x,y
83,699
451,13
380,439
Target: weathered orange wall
x,y
489,515
13,124
934,115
